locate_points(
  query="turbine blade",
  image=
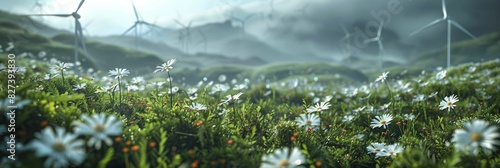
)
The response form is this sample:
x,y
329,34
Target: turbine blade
x,y
179,23
426,26
370,40
79,6
381,47
379,33
381,53
445,13
82,38
135,10
133,26
151,25
463,29
58,15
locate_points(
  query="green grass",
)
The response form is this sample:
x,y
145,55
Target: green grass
x,y
281,71
239,134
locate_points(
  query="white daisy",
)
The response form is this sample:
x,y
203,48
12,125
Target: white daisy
x,y
319,107
348,118
382,77
222,78
108,89
375,147
79,86
131,88
233,98
477,134
61,148
191,91
137,80
100,127
174,90
198,107
309,121
240,87
284,159
119,73
62,66
419,98
409,116
441,75
165,66
390,151
381,121
448,102
220,88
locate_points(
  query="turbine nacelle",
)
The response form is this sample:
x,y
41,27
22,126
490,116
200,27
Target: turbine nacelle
x,y
76,15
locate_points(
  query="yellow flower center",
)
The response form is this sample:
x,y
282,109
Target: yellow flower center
x,y
448,103
308,122
166,67
391,153
99,128
377,149
383,122
58,146
476,137
283,163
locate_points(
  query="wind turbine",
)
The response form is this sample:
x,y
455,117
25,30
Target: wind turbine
x,y
203,40
344,44
449,23
84,28
39,6
242,21
379,42
185,34
78,31
137,25
152,31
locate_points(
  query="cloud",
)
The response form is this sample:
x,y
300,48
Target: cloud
x,y
302,27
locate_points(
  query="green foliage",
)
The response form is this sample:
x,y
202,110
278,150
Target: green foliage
x,y
107,158
239,133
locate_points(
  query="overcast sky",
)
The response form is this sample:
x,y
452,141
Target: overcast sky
x,y
312,24
115,16
105,17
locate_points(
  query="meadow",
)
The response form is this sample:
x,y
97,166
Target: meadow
x,y
440,118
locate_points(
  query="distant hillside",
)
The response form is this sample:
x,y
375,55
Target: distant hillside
x,y
31,24
101,56
226,39
26,41
485,48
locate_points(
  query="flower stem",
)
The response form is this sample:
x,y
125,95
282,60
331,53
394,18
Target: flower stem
x,y
126,161
120,87
392,96
171,92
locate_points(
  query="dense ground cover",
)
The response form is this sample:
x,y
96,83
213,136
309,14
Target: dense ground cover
x,y
443,118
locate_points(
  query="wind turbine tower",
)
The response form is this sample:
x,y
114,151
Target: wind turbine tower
x,y
449,23
203,40
78,31
185,35
381,51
